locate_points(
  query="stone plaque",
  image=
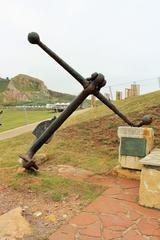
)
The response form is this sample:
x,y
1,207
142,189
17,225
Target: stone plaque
x,y
133,147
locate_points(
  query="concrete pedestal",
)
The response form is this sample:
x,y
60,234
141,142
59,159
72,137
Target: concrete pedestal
x,y
149,192
135,144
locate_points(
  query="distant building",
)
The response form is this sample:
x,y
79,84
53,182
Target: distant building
x,y
133,91
57,107
128,92
118,95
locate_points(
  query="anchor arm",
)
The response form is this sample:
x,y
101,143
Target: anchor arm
x,y
35,39
146,120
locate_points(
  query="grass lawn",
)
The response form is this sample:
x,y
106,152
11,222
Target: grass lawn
x,y
56,187
13,118
88,140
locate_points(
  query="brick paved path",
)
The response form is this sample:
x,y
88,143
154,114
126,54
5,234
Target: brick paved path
x,y
113,215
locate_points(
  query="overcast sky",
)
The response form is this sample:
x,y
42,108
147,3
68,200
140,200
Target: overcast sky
x,y
119,38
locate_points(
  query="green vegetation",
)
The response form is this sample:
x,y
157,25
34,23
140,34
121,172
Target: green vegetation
x,y
3,84
61,97
26,83
88,140
142,104
24,89
58,196
58,188
12,118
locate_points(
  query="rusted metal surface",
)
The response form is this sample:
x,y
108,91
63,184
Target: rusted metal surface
x,y
91,85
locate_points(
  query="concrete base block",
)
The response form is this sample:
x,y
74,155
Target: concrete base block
x,y
149,192
130,162
126,173
135,144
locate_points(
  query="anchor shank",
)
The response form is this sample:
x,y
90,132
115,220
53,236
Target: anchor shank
x,y
57,123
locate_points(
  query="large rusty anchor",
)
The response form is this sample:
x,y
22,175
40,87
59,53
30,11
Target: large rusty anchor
x,y
91,85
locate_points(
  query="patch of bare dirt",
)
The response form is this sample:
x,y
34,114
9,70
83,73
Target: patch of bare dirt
x,y
44,215
103,131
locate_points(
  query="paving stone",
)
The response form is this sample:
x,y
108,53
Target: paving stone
x,y
93,230
126,197
127,183
132,235
115,220
82,237
66,232
106,205
114,216
134,190
147,212
133,215
112,191
84,218
109,234
105,181
130,195
116,228
150,227
154,238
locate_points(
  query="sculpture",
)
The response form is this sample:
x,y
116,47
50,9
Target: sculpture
x,y
91,85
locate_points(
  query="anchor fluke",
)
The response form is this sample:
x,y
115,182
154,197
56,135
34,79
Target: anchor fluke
x,y
147,119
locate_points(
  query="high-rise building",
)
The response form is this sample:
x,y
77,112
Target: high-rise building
x,y
135,89
128,92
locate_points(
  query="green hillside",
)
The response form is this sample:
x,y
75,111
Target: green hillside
x,y
59,96
26,83
89,140
3,84
24,89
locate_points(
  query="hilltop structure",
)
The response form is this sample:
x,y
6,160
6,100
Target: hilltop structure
x,y
133,91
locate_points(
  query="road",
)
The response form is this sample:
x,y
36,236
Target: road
x,y
27,128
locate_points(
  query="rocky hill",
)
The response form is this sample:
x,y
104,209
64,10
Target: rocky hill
x,y
29,90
